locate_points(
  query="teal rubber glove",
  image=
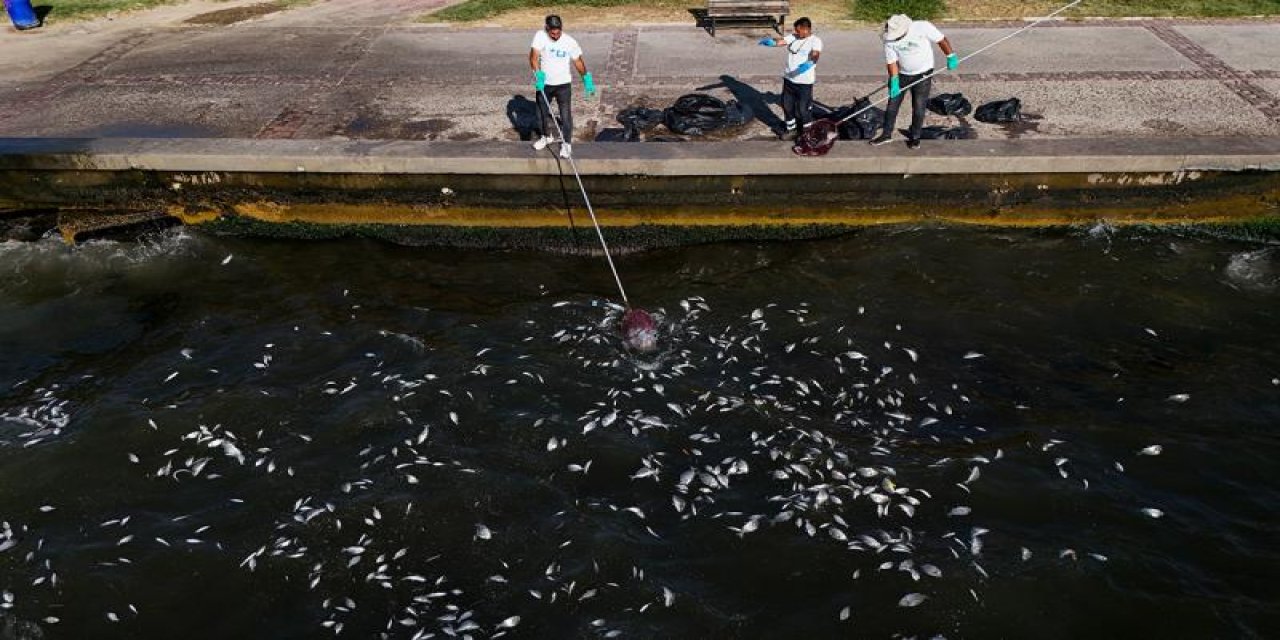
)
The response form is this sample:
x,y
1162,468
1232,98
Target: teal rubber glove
x,y
895,87
539,80
953,61
804,67
768,42
590,84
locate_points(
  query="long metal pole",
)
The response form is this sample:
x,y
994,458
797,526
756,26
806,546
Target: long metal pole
x,y
574,165
975,53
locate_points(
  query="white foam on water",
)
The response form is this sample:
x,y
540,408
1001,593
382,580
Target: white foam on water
x,y
1256,270
52,259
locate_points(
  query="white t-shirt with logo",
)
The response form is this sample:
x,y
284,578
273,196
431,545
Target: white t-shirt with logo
x,y
914,52
797,54
557,56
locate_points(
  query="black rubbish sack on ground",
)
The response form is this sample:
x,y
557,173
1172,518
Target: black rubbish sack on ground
x,y
638,119
737,114
697,114
999,111
817,138
864,126
946,133
641,118
950,104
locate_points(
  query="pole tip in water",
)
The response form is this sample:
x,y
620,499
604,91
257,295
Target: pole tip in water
x,y
639,331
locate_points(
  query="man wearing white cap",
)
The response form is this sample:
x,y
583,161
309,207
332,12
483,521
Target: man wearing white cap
x,y
908,50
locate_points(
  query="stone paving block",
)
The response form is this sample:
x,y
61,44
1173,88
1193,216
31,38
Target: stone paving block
x,y
407,110
468,57
1082,49
689,54
1244,47
36,56
1116,108
283,52
173,111
1272,86
694,54
1068,49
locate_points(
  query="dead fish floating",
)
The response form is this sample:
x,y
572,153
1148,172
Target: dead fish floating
x,y
639,331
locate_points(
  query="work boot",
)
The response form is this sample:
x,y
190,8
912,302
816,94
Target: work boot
x,y
541,143
883,138
790,132
566,150
913,143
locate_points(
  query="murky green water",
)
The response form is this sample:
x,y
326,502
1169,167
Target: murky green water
x,y
321,438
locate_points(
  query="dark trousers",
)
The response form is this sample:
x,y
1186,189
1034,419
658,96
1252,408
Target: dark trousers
x,y
563,96
919,101
797,103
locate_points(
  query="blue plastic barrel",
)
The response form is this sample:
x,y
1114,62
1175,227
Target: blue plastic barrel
x,y
22,14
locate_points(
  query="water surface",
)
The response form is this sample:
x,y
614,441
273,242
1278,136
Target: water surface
x,y
211,437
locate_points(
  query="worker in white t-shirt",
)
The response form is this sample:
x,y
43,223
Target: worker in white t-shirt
x,y
550,56
803,51
908,50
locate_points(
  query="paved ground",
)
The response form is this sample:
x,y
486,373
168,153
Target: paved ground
x,y
362,69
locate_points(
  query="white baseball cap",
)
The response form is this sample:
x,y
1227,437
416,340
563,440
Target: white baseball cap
x,y
896,26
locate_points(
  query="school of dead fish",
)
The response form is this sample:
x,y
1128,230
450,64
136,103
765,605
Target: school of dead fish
x,y
841,465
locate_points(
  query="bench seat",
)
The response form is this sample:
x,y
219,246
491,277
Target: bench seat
x,y
771,12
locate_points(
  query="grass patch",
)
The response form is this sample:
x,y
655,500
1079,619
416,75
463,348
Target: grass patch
x,y
875,11
61,10
986,9
473,10
1191,8
879,10
65,9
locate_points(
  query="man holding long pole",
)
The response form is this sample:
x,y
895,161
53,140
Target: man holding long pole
x,y
550,55
908,52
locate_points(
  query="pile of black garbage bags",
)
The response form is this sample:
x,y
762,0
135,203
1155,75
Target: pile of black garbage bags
x,y
868,121
955,104
699,114
694,114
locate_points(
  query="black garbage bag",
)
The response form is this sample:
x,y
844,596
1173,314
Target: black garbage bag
x,y
737,114
817,138
999,111
946,133
864,126
638,119
950,104
697,114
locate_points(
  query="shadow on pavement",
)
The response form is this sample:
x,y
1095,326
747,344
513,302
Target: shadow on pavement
x,y
752,98
523,114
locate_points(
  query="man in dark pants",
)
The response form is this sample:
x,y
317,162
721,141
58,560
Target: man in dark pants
x,y
550,55
803,51
908,51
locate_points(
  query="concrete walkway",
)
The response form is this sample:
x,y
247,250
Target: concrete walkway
x,y
363,70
